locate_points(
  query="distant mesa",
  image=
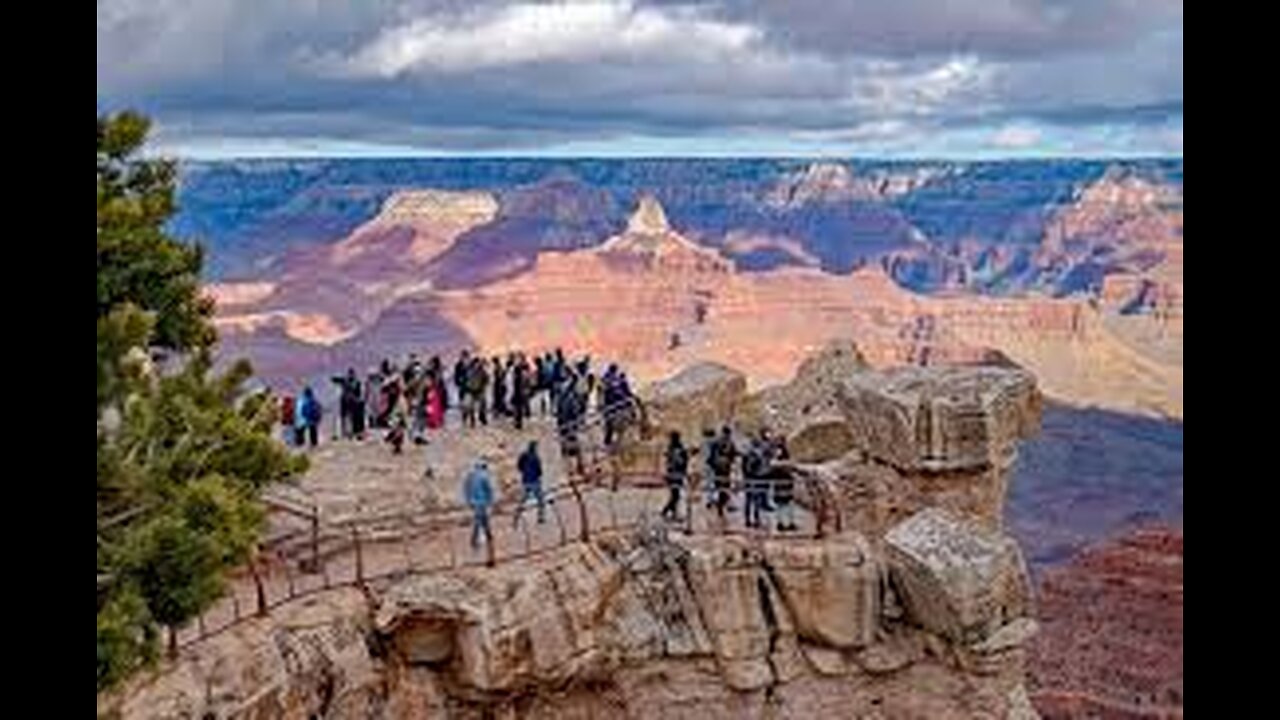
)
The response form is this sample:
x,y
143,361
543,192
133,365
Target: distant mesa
x,y
650,239
827,182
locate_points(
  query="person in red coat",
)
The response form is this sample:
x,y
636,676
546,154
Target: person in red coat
x,y
435,404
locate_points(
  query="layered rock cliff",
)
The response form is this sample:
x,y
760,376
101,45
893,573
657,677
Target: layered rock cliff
x,y
652,297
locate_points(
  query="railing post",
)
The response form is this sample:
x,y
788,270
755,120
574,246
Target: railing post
x,y
824,506
688,504
235,605
288,576
582,510
355,537
490,552
315,538
258,586
200,624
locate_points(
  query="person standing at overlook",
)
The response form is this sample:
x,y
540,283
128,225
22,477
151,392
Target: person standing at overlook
x,y
460,385
521,389
477,384
309,415
499,388
435,398
677,471
530,467
478,494
723,453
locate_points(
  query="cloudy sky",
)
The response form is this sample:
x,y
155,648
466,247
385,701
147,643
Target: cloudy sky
x,y
895,78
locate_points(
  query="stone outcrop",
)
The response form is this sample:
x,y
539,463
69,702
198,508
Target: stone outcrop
x,y
941,420
506,630
706,395
308,660
702,396
959,582
831,590
912,610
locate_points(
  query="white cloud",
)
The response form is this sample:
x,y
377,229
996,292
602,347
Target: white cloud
x,y
593,30
1016,137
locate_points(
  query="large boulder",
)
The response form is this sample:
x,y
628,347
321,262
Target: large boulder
x,y
706,395
957,580
700,396
752,633
502,630
811,395
820,439
831,589
941,419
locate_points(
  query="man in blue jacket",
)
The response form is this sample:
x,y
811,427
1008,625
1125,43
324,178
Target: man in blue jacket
x,y
478,492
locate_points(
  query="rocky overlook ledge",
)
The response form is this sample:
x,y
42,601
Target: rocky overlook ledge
x,y
908,601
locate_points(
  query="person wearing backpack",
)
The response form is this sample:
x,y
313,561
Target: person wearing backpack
x,y
723,454
754,480
677,472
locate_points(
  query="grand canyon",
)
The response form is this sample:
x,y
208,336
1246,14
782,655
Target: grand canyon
x,y
1070,270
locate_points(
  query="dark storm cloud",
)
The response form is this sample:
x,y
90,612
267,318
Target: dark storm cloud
x,y
993,28
466,74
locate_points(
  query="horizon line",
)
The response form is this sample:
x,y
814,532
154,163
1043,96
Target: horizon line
x,y
810,158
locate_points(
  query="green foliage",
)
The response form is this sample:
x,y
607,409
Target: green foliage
x,y
183,454
138,263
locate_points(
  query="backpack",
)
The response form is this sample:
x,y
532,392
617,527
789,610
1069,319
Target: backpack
x,y
287,410
677,461
753,465
312,412
722,457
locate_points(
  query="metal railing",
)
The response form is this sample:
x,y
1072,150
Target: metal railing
x,y
359,552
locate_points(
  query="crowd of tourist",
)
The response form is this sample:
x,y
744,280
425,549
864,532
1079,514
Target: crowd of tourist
x,y
405,404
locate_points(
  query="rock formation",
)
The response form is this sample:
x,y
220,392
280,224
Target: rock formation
x,y
923,614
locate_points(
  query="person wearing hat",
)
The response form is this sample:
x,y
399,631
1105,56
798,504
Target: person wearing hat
x,y
478,493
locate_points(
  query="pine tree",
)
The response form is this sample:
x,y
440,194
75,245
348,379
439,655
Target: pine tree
x,y
182,453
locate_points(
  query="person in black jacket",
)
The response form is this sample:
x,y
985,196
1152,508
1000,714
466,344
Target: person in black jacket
x,y
754,478
499,388
460,370
530,467
521,389
723,454
350,404
677,473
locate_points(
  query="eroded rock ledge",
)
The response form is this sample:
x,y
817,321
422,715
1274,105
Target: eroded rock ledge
x,y
919,608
